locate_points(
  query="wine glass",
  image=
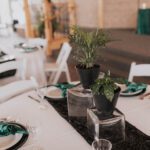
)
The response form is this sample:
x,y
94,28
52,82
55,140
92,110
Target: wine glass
x,y
101,144
41,90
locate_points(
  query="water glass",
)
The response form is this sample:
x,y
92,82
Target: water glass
x,y
101,144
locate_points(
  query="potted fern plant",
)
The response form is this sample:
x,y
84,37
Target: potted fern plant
x,y
87,45
105,94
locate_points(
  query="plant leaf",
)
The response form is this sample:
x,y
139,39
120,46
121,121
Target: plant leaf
x,y
109,92
87,44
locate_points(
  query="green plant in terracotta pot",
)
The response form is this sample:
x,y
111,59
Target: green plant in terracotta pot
x,y
105,94
87,47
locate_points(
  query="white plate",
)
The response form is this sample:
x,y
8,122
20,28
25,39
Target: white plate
x,y
8,141
6,58
131,93
56,93
28,45
29,50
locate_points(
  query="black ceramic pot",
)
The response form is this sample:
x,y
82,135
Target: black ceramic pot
x,y
88,76
105,106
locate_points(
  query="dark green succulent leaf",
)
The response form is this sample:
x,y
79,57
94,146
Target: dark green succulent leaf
x,y
105,86
109,92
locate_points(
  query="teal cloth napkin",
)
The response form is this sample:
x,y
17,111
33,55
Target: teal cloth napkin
x,y
63,87
133,87
8,129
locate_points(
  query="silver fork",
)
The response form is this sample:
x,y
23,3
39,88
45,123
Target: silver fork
x,y
42,105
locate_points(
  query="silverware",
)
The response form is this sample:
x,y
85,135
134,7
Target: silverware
x,y
35,99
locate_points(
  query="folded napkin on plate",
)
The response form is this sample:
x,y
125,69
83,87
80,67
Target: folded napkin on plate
x,y
133,87
8,129
63,87
19,45
2,53
15,88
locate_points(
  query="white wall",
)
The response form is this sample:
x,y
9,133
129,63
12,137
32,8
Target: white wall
x,y
17,11
5,16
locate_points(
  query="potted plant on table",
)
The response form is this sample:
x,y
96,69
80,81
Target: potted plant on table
x,y
105,95
87,46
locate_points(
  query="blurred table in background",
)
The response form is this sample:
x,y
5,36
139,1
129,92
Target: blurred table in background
x,y
33,61
143,24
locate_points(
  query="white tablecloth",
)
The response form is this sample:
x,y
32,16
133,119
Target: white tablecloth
x,y
136,111
34,61
52,131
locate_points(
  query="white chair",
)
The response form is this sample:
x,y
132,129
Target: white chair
x,y
17,65
60,65
138,70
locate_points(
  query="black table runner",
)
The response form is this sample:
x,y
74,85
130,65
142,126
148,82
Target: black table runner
x,y
135,139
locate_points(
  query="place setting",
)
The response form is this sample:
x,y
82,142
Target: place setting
x,y
13,135
58,92
5,57
26,47
133,89
2,53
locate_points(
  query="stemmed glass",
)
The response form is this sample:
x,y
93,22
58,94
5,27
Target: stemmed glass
x,y
41,92
101,144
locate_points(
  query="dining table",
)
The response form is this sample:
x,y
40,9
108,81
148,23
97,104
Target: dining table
x,y
47,129
52,129
33,60
136,111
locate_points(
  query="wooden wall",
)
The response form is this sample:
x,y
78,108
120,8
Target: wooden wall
x,y
147,2
120,13
87,13
117,13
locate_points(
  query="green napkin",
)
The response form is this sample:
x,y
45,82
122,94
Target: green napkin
x,y
63,87
133,87
8,129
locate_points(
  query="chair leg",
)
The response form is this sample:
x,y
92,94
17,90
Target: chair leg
x,y
52,77
68,74
57,76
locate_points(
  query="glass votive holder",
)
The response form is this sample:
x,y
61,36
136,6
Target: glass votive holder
x,y
78,100
101,144
111,128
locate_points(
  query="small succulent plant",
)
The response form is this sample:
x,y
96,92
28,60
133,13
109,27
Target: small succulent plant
x,y
105,86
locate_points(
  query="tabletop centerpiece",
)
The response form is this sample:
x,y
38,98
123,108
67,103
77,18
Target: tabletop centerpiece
x,y
87,45
105,95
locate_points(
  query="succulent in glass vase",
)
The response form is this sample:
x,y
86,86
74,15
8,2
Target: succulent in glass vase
x,y
87,47
105,94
